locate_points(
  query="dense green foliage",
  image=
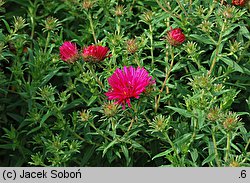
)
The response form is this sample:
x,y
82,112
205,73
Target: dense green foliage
x,y
56,114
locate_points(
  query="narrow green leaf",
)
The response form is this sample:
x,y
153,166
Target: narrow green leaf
x,y
165,153
194,154
111,144
87,155
203,39
6,25
92,100
244,31
126,154
232,64
182,112
210,158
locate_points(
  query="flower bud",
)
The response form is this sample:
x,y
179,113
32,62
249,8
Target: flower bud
x,y
132,46
110,109
87,4
19,23
231,121
214,114
51,24
228,11
201,82
147,17
84,115
234,164
119,10
234,46
206,26
175,36
160,123
191,48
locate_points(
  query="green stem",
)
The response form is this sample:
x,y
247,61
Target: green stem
x,y
228,147
168,12
118,26
215,147
173,147
151,45
217,48
245,51
247,144
32,27
80,138
166,78
182,8
100,132
92,28
47,42
192,138
94,75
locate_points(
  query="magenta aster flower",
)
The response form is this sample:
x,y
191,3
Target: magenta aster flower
x,y
68,52
94,53
175,36
239,2
128,83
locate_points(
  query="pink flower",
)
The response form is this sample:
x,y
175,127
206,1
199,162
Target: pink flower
x,y
128,83
94,53
68,52
239,2
175,36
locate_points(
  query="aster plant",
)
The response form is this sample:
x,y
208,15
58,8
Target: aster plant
x,y
125,83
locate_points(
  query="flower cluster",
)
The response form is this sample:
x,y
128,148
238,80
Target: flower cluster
x,y
128,83
93,53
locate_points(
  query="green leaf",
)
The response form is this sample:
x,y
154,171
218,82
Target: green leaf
x,y
210,158
16,117
88,152
182,112
203,39
92,100
194,154
232,64
73,104
236,148
201,118
139,146
165,153
244,31
7,25
126,154
111,144
46,79
228,31
183,139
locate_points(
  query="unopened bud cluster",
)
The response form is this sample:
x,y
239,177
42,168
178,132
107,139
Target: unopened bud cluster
x,y
132,46
87,4
119,10
160,123
84,115
110,109
51,24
